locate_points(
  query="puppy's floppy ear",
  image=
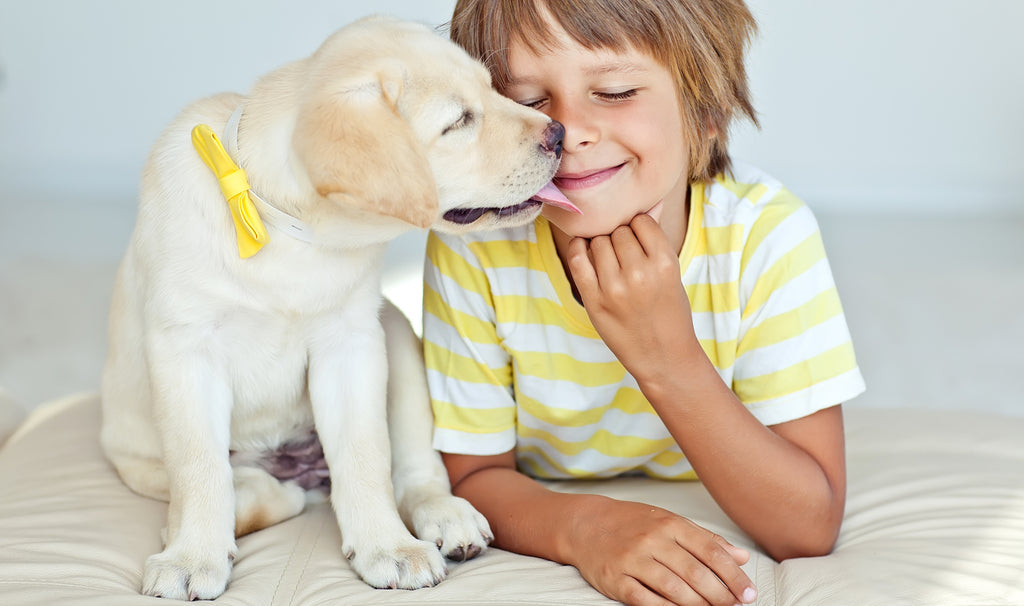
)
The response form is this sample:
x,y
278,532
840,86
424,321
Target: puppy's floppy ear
x,y
359,151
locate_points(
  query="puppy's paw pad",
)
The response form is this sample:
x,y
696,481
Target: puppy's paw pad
x,y
451,523
412,565
185,578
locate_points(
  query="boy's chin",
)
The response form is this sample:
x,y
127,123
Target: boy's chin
x,y
655,212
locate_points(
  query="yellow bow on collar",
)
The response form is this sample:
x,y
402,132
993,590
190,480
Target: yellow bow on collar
x,y
252,235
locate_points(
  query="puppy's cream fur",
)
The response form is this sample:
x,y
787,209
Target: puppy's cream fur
x,y
384,129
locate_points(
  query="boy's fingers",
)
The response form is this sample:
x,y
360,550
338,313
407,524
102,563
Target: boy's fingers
x,y
634,593
649,233
606,264
685,579
581,266
627,248
725,562
740,555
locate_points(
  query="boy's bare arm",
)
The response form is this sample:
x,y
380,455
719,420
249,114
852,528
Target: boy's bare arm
x,y
632,552
784,485
506,497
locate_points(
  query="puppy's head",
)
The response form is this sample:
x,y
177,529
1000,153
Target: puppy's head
x,y
397,121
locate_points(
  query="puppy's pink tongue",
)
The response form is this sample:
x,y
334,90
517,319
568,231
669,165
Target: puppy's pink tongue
x,y
550,194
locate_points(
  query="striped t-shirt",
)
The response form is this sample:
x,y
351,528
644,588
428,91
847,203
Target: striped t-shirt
x,y
514,362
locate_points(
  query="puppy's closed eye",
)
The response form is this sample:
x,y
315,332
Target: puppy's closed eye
x,y
464,120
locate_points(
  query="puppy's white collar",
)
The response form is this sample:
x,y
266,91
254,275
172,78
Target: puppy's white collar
x,y
271,215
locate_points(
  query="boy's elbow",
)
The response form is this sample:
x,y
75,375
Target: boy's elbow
x,y
804,549
814,535
807,542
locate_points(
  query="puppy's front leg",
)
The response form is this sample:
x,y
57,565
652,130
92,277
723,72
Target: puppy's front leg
x,y
347,385
192,410
422,489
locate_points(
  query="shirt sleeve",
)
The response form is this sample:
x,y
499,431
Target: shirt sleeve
x,y
468,372
794,352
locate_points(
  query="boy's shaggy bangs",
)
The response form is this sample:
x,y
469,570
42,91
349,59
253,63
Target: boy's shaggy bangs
x,y
702,42
486,28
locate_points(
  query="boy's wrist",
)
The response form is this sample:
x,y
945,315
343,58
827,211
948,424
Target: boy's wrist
x,y
583,518
681,374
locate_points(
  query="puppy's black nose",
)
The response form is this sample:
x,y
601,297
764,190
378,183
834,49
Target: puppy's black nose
x,y
553,136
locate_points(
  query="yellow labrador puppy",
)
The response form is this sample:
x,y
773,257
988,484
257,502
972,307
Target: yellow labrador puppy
x,y
224,371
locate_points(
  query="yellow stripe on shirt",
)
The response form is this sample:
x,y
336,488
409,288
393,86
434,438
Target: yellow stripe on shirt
x,y
795,262
472,420
778,328
832,363
627,401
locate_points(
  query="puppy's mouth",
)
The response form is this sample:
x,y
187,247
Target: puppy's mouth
x,y
465,216
549,194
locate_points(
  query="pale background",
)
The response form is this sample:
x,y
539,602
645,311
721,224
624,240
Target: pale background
x,y
899,121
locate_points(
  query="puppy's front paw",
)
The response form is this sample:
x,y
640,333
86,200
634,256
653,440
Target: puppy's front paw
x,y
186,576
451,523
411,565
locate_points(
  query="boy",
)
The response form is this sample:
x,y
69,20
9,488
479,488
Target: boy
x,y
685,325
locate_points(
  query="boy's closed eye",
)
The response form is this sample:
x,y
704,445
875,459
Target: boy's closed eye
x,y
611,96
617,95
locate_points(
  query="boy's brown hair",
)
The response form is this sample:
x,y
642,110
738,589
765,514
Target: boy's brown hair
x,y
702,42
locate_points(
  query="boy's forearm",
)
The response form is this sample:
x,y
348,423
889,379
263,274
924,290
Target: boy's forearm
x,y
776,491
525,517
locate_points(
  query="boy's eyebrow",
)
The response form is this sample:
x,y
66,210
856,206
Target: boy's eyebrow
x,y
614,67
623,67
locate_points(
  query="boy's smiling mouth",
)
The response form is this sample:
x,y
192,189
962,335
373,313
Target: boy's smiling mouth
x,y
585,179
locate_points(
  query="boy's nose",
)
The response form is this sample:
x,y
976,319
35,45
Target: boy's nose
x,y
579,126
553,137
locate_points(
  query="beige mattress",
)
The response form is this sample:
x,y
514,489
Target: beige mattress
x,y
935,515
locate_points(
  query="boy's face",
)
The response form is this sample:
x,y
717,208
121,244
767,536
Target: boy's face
x,y
625,149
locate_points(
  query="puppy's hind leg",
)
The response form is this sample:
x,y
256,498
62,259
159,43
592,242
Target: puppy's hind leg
x,y
422,489
261,500
144,476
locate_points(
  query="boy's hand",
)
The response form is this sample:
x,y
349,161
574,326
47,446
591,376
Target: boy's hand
x,y
630,285
640,554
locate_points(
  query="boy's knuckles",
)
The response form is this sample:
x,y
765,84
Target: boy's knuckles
x,y
718,559
718,547
643,221
577,265
634,594
617,290
675,589
680,526
600,243
638,278
622,231
667,267
580,253
649,541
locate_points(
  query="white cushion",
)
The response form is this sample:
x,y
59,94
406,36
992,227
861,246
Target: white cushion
x,y
935,515
11,415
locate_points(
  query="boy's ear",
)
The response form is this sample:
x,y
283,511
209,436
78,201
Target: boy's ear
x,y
358,150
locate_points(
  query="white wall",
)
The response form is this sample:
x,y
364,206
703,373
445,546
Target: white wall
x,y
903,105
908,105
89,84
